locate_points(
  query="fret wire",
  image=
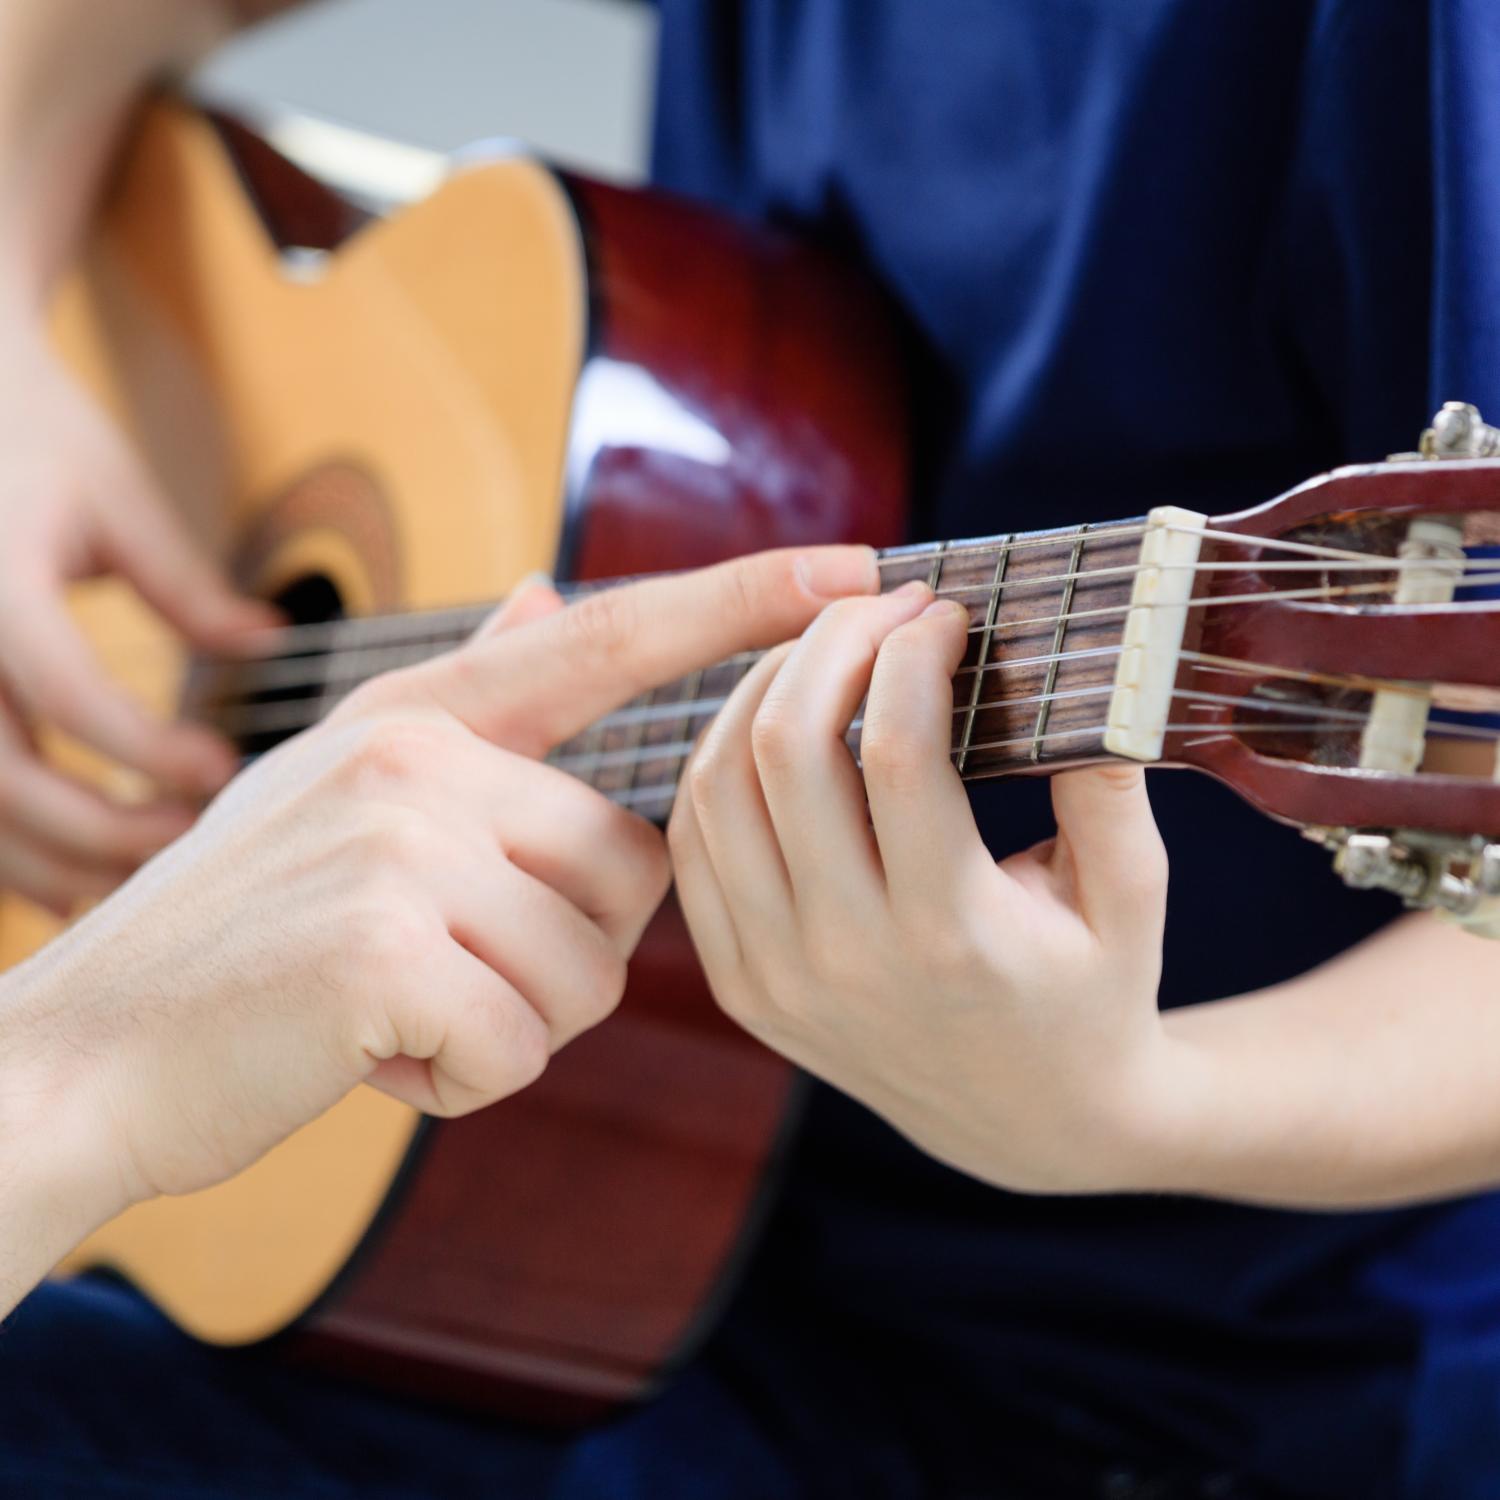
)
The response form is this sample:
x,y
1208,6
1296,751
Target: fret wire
x,y
645,794
1039,732
984,650
295,714
637,737
936,575
470,615
583,764
692,682
1482,568
292,671
921,551
462,619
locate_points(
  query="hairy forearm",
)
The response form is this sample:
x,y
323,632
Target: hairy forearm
x,y
1370,1080
70,71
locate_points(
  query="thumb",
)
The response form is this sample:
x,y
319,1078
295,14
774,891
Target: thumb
x,y
1109,837
531,689
151,548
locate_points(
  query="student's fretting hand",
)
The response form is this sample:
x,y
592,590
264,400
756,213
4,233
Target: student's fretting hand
x,y
1003,1016
405,895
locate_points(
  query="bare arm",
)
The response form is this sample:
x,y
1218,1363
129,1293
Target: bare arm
x,y
1374,1078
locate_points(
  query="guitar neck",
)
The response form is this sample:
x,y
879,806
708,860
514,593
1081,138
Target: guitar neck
x,y
1047,615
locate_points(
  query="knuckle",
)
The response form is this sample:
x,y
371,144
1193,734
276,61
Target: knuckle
x,y
776,737
382,931
705,775
748,585
891,754
611,976
948,949
394,749
385,837
528,1048
833,959
602,625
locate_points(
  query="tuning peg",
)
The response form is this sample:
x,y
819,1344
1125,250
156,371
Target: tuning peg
x,y
1375,861
1458,431
1458,879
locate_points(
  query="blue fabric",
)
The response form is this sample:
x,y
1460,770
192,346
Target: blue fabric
x,y
99,1395
1150,251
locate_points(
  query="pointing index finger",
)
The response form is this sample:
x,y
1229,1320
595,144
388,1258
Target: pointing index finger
x,y
535,686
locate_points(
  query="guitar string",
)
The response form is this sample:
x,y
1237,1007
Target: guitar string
x,y
639,712
426,622
666,791
288,642
1318,716
245,709
290,670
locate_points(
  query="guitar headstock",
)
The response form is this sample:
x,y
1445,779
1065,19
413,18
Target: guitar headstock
x,y
1341,666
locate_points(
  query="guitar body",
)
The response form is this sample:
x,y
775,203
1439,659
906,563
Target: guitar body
x,y
523,372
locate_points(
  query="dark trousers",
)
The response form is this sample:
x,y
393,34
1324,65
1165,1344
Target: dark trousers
x,y
100,1396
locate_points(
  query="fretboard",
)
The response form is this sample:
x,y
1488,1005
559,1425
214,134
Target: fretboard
x,y
1046,620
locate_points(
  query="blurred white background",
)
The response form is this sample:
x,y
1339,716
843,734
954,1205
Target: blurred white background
x,y
572,78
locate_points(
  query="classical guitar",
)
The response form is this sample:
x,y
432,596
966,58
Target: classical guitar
x,y
385,420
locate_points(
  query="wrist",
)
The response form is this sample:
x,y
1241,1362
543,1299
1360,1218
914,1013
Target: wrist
x,y
1161,1136
59,1176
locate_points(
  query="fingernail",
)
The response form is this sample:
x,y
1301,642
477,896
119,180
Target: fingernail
x,y
832,572
945,607
536,580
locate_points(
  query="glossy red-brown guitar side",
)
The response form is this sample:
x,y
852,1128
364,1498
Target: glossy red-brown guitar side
x,y
390,419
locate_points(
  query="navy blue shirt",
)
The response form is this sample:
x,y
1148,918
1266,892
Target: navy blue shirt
x,y
1152,251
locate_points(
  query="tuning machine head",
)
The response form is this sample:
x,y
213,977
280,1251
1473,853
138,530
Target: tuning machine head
x,y
1458,878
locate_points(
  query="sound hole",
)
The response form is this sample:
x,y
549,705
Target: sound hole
x,y
261,702
312,600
